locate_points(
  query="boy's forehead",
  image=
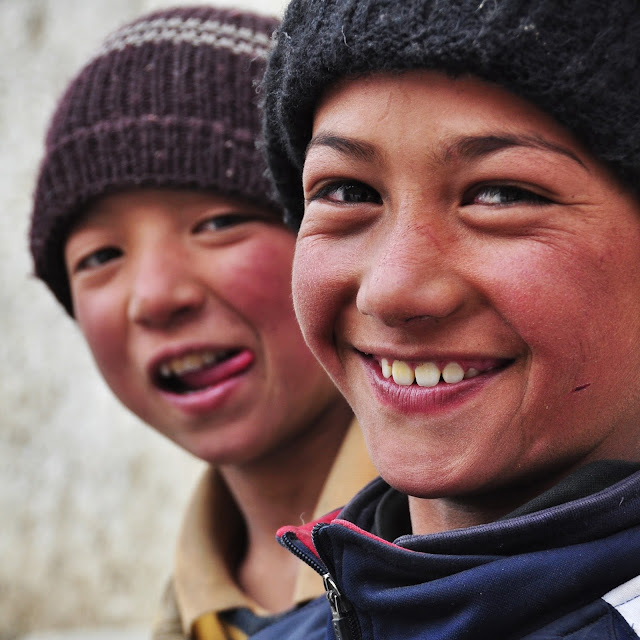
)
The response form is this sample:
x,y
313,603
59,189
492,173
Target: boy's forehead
x,y
486,118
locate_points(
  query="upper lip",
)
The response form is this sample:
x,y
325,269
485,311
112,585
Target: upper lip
x,y
432,356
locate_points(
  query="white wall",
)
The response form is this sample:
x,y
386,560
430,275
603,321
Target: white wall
x,y
90,499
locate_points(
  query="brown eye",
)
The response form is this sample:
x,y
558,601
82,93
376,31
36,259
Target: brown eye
x,y
222,221
504,195
226,221
351,192
98,258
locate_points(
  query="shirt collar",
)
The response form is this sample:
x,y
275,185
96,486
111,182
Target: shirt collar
x,y
213,525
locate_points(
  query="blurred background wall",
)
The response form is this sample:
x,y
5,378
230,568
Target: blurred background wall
x,y
90,499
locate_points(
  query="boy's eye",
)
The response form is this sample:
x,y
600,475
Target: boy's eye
x,y
98,258
504,195
223,221
351,192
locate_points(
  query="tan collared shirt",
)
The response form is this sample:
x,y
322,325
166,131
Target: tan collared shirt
x,y
202,582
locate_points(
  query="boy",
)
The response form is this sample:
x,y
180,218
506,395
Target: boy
x,y
155,227
464,176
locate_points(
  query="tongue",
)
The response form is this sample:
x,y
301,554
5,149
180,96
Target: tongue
x,y
216,373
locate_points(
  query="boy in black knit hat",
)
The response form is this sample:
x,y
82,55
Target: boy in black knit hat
x,y
155,227
464,176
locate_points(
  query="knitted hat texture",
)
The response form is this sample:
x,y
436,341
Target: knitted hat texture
x,y
170,100
577,60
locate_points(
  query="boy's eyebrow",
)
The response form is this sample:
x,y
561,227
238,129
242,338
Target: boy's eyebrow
x,y
467,147
477,146
347,146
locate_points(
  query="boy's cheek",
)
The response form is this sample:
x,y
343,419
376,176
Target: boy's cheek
x,y
255,278
96,316
315,295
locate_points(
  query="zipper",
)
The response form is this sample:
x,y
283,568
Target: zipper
x,y
287,542
343,618
345,626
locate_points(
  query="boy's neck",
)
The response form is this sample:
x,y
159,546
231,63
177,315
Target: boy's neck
x,y
446,514
282,489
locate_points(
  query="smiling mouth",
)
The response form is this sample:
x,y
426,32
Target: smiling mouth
x,y
191,372
432,373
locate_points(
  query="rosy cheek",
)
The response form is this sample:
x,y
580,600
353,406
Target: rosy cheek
x,y
97,318
544,296
304,290
315,293
259,279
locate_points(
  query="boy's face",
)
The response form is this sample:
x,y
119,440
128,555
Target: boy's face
x,y
184,299
452,227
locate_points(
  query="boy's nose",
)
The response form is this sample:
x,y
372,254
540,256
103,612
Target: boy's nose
x,y
164,291
411,275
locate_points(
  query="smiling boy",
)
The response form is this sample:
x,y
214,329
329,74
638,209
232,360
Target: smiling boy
x,y
464,181
155,227
515,290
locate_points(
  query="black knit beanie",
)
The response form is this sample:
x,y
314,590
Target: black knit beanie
x,y
170,100
577,60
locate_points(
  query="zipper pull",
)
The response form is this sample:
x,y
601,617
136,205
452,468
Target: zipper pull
x,y
340,609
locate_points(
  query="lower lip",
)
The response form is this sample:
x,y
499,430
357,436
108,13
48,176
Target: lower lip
x,y
213,397
411,399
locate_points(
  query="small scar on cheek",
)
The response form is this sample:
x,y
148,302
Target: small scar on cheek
x,y
582,387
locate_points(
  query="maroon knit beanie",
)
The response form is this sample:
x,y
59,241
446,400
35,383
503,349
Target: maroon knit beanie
x,y
170,100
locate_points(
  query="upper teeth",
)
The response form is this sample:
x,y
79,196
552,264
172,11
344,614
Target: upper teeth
x,y
426,374
190,362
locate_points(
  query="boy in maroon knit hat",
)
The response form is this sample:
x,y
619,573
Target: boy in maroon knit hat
x,y
154,226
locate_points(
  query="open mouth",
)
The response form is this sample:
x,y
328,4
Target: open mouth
x,y
193,372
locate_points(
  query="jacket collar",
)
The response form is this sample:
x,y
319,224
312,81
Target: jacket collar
x,y
492,580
